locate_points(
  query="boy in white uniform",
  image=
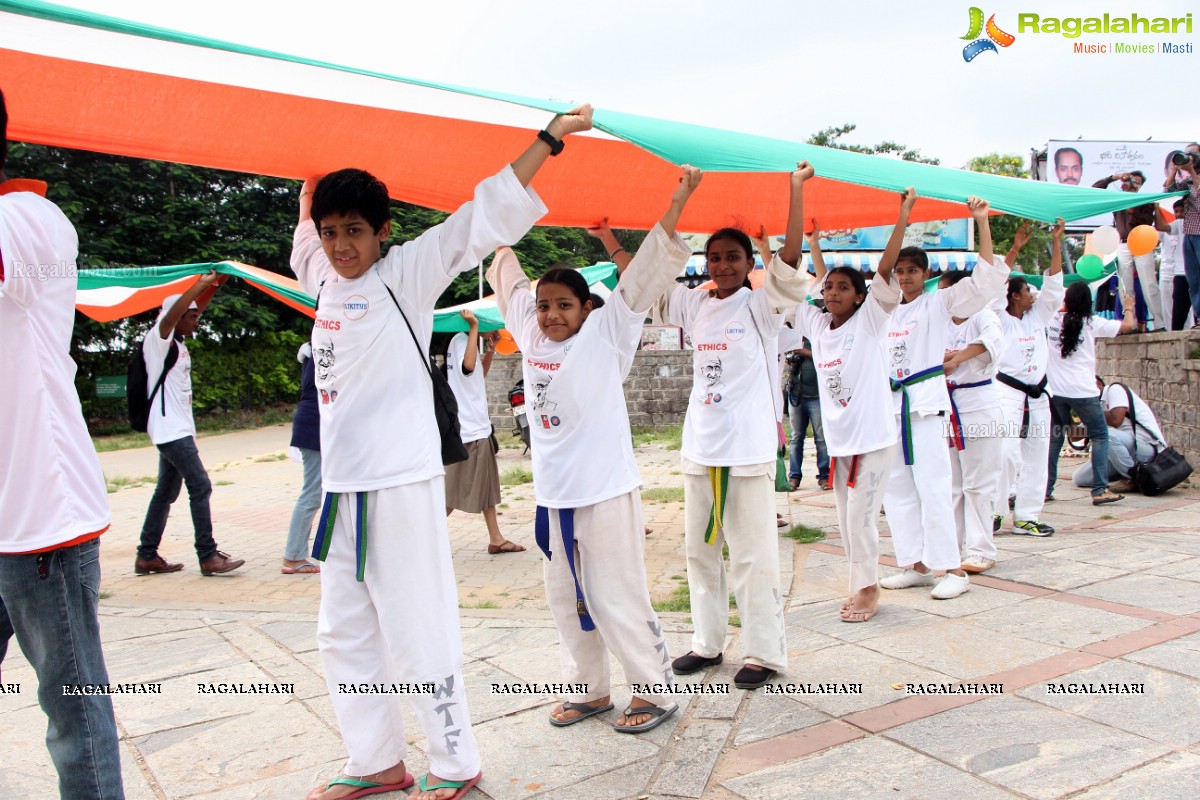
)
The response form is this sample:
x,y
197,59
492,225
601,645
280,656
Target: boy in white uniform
x,y
917,500
389,601
55,513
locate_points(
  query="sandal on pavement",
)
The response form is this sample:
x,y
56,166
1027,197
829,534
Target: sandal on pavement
x,y
1106,498
307,568
365,787
584,711
505,547
462,787
658,714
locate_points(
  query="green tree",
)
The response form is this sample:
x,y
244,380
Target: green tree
x,y
832,137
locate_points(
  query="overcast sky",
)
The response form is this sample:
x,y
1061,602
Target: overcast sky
x,y
778,68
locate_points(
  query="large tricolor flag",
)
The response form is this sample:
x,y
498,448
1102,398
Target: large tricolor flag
x,y
88,81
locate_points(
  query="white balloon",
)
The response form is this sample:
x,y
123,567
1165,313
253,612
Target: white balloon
x,y
1105,239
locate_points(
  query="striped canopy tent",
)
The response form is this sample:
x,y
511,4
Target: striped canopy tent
x,y
111,294
88,81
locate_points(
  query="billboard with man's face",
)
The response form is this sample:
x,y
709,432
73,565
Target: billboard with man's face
x,y
1082,163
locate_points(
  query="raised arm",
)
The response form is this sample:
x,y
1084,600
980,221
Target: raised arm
x,y
528,163
1160,220
762,244
814,252
471,353
653,270
1056,238
887,261
793,241
1020,239
979,210
205,285
616,253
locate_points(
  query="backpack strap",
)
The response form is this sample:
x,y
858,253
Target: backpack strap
x,y
420,351
1133,423
168,363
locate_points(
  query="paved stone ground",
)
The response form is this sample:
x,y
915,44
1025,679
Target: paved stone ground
x,y
1112,599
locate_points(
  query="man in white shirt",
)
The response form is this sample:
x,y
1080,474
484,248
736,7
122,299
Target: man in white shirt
x,y
173,431
1125,445
55,513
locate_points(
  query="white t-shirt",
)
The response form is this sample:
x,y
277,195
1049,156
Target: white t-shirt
x,y
374,393
1172,251
851,363
981,328
1025,354
60,495
917,337
1075,376
1150,437
171,410
469,390
579,424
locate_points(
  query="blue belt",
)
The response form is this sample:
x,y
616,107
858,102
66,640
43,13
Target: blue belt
x,y
322,540
955,420
541,534
905,423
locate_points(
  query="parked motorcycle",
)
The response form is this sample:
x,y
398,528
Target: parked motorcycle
x,y
516,401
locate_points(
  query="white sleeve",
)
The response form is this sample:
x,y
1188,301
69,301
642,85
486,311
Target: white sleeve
x,y
791,338
989,333
676,306
785,286
513,297
1105,328
1113,397
970,296
308,259
653,270
1050,296
501,212
32,228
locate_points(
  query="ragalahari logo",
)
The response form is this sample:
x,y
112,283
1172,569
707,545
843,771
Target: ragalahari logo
x,y
995,36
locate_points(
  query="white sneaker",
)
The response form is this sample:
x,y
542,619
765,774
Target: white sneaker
x,y
975,564
910,577
951,586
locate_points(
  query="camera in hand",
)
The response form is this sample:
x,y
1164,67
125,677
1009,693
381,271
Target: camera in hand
x,y
1181,157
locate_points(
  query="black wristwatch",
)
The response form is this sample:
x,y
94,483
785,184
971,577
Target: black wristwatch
x,y
556,145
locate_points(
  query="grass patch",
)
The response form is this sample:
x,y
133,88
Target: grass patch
x,y
504,505
670,437
805,535
518,497
271,457
516,476
115,435
105,595
1194,352
1106,516
673,494
480,604
113,485
681,600
223,483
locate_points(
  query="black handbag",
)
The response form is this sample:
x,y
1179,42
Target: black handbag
x,y
1165,471
445,406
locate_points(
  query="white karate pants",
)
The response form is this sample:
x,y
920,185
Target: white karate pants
x,y
1029,456
753,541
975,478
858,511
399,626
609,550
917,500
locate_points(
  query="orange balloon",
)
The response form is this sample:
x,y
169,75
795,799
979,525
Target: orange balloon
x,y
507,344
1142,240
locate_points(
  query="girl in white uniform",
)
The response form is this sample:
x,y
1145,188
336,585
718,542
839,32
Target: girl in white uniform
x,y
973,346
917,501
729,443
586,481
1021,386
849,351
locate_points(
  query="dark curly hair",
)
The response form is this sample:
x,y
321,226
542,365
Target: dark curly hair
x,y
1015,286
351,191
1079,310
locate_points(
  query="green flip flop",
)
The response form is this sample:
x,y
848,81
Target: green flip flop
x,y
462,787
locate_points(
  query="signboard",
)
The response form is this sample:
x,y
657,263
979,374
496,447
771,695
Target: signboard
x,y
662,337
1082,163
110,386
940,234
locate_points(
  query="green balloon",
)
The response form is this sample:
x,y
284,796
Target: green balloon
x,y
1090,267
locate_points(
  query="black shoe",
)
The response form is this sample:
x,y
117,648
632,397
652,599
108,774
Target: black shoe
x,y
1012,502
997,523
686,665
749,677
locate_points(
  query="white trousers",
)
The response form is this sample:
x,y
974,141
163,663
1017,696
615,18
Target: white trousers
x,y
917,500
1145,265
1166,295
609,550
753,565
975,480
858,511
399,626
1029,456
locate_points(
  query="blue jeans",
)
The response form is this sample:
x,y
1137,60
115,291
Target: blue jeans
x,y
1092,416
179,463
307,505
49,601
803,411
1191,267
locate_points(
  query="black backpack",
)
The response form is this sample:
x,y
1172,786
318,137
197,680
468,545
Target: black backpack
x,y
137,399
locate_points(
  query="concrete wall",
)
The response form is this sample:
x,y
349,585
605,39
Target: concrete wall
x,y
1158,367
656,392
